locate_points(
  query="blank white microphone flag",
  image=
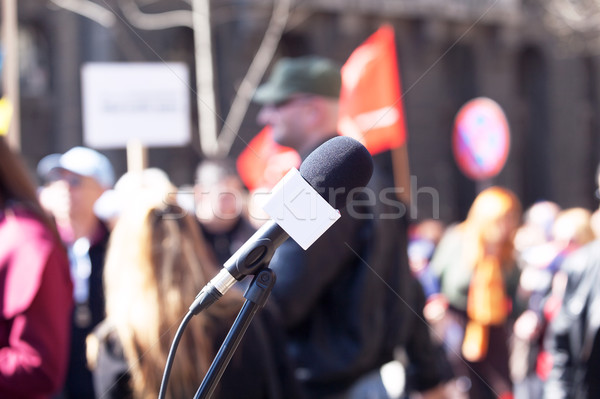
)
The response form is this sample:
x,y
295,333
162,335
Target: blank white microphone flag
x,y
299,209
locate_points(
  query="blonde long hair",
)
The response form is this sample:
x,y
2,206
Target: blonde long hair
x,y
492,220
156,263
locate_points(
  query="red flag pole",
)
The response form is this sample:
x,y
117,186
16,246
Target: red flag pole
x,y
401,171
371,108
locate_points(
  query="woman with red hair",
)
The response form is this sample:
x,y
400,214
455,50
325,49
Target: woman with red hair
x,y
478,276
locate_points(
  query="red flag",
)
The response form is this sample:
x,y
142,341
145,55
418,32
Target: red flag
x,y
264,162
370,111
371,108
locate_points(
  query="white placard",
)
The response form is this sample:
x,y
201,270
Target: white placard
x,y
148,102
299,209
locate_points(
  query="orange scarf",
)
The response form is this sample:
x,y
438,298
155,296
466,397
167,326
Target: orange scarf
x,y
487,305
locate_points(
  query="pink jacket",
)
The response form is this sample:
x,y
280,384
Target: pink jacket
x,y
35,308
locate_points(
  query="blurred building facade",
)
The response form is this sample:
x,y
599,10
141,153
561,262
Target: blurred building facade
x,y
449,51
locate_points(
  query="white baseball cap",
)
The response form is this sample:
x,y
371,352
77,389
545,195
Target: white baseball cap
x,y
82,161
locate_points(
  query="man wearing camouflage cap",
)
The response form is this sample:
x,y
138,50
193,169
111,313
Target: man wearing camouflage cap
x,y
339,298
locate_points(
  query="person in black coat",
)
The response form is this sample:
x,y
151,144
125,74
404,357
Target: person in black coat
x,y
220,201
572,338
343,300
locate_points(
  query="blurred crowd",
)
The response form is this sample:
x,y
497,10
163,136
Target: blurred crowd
x,y
531,248
139,250
124,239
97,271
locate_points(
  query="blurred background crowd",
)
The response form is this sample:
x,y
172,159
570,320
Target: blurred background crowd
x,y
475,278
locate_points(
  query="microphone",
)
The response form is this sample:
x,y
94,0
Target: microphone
x,y
334,169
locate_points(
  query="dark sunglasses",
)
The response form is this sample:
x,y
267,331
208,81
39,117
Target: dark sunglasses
x,y
289,100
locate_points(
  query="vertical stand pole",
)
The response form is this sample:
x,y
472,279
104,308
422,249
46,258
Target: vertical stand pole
x,y
256,296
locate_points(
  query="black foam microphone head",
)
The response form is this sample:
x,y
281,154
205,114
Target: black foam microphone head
x,y
336,167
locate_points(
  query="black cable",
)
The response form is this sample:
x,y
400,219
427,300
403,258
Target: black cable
x,y
171,357
203,300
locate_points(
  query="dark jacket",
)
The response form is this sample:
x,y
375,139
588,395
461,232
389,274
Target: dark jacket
x,y
573,335
344,300
225,244
79,378
259,368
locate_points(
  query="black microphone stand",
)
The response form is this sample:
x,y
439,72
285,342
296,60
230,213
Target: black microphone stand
x,y
256,296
